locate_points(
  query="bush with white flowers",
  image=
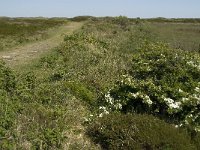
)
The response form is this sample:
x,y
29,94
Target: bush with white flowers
x,y
162,81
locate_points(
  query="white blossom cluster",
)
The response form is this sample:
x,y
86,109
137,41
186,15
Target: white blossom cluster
x,y
191,118
193,64
109,98
171,103
103,110
111,102
145,97
191,98
126,79
89,118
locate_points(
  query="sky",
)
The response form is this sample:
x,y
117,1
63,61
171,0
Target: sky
x,y
129,8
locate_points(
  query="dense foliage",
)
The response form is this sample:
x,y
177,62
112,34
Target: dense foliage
x,y
163,82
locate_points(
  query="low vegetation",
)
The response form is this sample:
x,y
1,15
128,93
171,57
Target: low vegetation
x,y
118,131
113,84
15,31
183,36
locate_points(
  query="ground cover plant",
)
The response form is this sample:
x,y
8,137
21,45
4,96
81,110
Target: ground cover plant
x,y
111,85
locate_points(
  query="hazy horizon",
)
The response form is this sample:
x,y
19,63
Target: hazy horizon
x,y
97,8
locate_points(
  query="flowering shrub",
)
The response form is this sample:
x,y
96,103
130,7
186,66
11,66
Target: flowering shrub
x,y
163,82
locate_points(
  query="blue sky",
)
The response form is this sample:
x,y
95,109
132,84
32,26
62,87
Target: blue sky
x,y
129,8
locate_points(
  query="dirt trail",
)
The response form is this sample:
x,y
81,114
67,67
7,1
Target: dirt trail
x,y
21,55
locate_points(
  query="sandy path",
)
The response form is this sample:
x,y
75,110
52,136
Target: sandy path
x,y
21,55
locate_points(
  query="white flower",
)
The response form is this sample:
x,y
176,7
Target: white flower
x,y
190,116
175,105
193,64
129,80
86,119
101,115
197,129
162,55
103,111
108,98
169,100
197,97
102,107
197,89
106,112
186,122
184,99
176,126
148,100
118,106
135,95
180,90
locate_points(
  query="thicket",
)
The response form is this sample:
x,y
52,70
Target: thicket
x,y
163,82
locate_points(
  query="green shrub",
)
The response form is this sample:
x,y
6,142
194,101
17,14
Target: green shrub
x,y
10,107
118,131
48,61
80,91
163,82
7,78
122,21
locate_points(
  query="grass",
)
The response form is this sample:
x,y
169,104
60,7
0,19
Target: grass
x,y
185,36
16,31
